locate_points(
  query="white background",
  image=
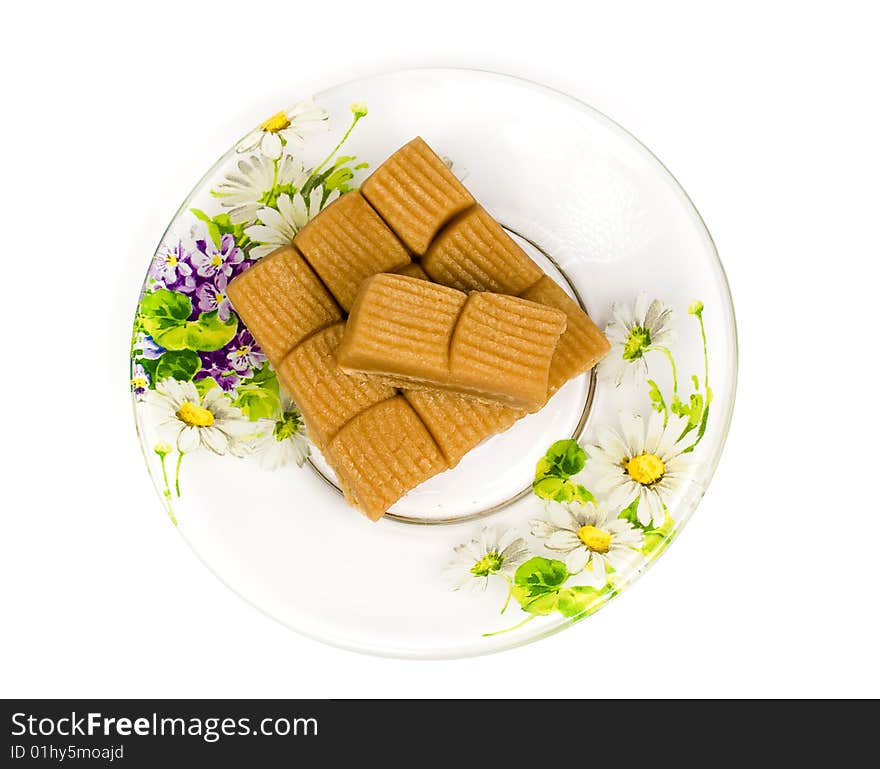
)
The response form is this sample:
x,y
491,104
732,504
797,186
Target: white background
x,y
767,114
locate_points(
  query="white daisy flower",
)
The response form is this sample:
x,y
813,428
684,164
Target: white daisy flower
x,y
286,127
641,461
634,331
592,538
246,189
479,559
188,421
283,440
277,228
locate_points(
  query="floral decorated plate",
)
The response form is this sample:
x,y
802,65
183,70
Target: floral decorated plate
x,y
538,527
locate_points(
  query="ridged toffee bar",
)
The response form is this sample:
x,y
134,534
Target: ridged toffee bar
x,y
418,334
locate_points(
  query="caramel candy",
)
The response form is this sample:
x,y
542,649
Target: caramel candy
x,y
382,453
503,347
417,333
581,346
402,328
474,253
416,194
346,243
327,397
412,270
281,301
459,422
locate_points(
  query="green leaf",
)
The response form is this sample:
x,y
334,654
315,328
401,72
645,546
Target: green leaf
x,y
542,468
204,384
214,232
540,605
582,493
258,397
150,367
206,333
538,588
213,229
258,403
567,457
165,304
264,377
178,364
336,177
553,471
696,410
540,575
574,600
694,413
221,225
561,490
657,402
630,512
678,408
656,541
163,311
705,420
338,180
551,487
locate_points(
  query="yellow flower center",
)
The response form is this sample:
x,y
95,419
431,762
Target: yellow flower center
x,y
490,563
216,260
219,298
195,416
645,469
594,539
171,260
278,122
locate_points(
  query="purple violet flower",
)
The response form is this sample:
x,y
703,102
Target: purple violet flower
x,y
212,296
214,365
238,269
140,379
210,260
246,354
172,269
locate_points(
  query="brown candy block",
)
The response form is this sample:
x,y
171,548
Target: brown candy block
x,y
474,253
281,301
401,327
581,346
422,334
412,270
346,243
416,194
503,346
327,397
382,453
458,422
